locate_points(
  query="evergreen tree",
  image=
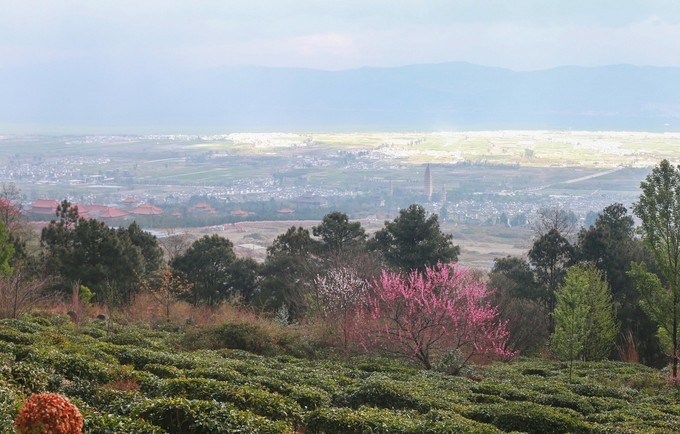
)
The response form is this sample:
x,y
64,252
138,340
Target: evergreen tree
x,y
337,233
585,325
610,244
207,264
413,241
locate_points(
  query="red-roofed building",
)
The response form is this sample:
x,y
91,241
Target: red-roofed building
x,y
202,208
83,211
146,209
239,213
96,208
44,206
113,213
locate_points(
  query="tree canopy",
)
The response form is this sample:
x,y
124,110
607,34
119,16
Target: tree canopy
x,y
337,233
659,210
413,241
89,252
207,264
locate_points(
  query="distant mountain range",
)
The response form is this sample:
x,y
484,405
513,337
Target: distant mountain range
x,y
451,96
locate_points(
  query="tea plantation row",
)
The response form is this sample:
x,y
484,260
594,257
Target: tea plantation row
x,y
134,380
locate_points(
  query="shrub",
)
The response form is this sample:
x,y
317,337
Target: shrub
x,y
258,401
443,422
239,336
163,371
31,376
335,420
13,335
106,423
9,402
450,363
527,417
49,413
184,416
379,392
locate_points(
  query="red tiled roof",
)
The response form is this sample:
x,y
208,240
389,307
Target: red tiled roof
x,y
286,211
96,208
240,213
82,209
44,206
129,200
113,213
146,209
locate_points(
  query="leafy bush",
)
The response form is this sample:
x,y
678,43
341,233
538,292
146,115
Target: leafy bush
x,y
451,363
10,398
258,401
140,357
31,376
107,423
379,392
15,336
528,417
243,336
344,420
184,416
163,371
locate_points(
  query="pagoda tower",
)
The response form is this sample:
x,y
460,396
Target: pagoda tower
x,y
428,182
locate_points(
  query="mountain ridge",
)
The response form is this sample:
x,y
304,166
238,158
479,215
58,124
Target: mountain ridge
x,y
453,95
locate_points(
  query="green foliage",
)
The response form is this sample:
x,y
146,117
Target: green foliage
x,y
528,417
6,251
146,384
585,325
412,241
359,421
337,233
88,251
379,392
513,275
184,416
659,211
107,423
209,265
611,244
658,303
550,255
85,294
10,400
261,402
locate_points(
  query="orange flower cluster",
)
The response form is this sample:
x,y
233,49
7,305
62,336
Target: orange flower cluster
x,y
48,413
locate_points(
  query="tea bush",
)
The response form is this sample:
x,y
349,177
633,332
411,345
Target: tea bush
x,y
528,417
10,398
134,379
258,401
185,416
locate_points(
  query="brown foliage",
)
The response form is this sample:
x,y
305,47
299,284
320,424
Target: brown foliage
x,y
48,413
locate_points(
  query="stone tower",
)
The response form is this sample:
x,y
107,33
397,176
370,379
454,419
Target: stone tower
x,y
428,182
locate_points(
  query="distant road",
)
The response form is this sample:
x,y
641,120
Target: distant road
x,y
572,181
583,178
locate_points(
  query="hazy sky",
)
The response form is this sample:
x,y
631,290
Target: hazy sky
x,y
340,34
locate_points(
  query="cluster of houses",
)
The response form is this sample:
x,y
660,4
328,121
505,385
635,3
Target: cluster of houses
x,y
129,206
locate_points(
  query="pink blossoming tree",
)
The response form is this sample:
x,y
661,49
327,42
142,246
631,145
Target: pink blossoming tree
x,y
425,315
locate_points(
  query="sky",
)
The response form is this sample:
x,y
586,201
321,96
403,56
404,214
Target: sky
x,y
339,34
